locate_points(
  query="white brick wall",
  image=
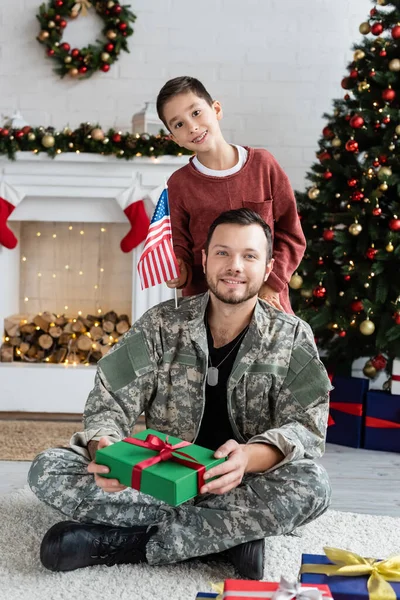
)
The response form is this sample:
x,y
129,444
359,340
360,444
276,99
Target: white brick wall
x,y
275,65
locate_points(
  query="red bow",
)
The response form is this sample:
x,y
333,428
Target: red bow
x,y
165,452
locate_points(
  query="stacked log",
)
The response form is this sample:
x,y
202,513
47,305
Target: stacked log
x,y
51,338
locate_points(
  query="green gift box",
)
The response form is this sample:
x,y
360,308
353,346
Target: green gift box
x,y
168,480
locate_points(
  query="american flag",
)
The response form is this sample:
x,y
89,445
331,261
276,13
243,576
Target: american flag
x,y
158,261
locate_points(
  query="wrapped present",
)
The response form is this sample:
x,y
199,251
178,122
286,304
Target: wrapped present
x,y
162,466
206,595
241,589
382,422
375,383
395,382
352,577
346,407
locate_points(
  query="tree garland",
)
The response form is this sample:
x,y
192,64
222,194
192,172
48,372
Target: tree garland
x,y
83,62
87,138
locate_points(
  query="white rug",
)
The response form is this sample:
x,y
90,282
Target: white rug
x,y
24,521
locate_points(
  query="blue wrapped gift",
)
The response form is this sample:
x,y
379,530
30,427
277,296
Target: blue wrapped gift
x,y
205,595
382,422
347,401
342,588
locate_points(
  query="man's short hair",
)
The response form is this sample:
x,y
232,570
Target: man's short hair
x,y
180,85
241,216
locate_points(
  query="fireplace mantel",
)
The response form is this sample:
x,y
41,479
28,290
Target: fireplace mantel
x,y
69,188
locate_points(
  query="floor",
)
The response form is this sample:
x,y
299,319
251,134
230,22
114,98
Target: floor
x,y
363,481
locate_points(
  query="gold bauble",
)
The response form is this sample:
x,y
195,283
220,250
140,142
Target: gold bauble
x,y
391,146
397,130
43,35
111,34
359,55
389,247
394,64
363,85
336,142
97,134
48,140
306,293
383,187
369,370
73,14
31,136
110,4
296,281
355,229
106,140
367,327
381,2
51,24
364,28
68,59
105,56
384,173
313,193
73,72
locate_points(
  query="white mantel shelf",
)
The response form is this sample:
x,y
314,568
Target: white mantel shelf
x,y
69,188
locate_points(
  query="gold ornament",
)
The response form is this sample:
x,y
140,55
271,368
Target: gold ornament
x,y
106,140
81,6
364,28
384,186
43,35
384,173
70,145
363,86
296,281
367,327
397,130
381,2
306,293
68,59
105,56
67,131
391,147
389,247
97,134
48,140
313,193
394,64
355,229
369,370
51,24
359,55
31,136
111,34
110,4
336,142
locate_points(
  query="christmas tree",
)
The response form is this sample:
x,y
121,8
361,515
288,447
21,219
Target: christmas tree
x,y
348,284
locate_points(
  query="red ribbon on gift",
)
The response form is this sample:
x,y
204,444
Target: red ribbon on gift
x,y
381,423
165,452
395,377
350,408
331,420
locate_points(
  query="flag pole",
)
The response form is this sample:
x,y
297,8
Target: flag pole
x,y
175,290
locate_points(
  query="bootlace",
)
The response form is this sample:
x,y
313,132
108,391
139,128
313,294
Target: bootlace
x,y
115,548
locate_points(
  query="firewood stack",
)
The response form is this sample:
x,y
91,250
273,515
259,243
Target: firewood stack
x,y
52,338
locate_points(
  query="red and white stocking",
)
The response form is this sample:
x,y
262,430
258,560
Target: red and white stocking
x,y
132,203
9,199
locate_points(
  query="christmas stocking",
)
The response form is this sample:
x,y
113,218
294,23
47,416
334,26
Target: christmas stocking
x,y
9,199
132,203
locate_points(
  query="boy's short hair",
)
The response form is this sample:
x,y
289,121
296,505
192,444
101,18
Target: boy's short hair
x,y
241,216
180,85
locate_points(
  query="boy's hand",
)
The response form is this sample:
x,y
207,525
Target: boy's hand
x,y
183,274
268,294
230,472
107,485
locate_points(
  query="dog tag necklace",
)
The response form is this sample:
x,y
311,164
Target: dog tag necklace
x,y
213,372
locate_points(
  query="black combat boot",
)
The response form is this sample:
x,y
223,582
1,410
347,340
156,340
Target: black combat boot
x,y
70,545
248,559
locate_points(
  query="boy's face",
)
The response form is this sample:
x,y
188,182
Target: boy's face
x,y
193,123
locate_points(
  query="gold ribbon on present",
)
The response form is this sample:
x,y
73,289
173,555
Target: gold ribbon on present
x,y
219,589
81,6
349,564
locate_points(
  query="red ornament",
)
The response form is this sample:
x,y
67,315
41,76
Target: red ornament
x,y
376,163
122,26
328,235
63,24
379,362
354,73
356,121
5,132
377,28
327,132
371,253
75,53
377,125
319,291
50,52
356,306
386,120
373,12
26,129
346,83
328,175
394,224
352,182
324,156
347,118
377,211
351,146
342,334
19,134
116,138
396,318
320,262
57,18
382,159
124,33
357,196
396,32
347,277
382,53
372,73
346,97
109,47
117,9
105,67
388,95
82,69
59,3
66,47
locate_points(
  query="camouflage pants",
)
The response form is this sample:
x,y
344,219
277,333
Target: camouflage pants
x,y
263,505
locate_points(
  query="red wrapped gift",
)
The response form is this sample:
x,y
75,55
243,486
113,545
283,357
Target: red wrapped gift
x,y
241,589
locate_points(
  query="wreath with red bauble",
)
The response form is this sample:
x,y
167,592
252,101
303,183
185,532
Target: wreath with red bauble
x,y
83,62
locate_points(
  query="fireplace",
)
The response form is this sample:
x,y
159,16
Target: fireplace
x,y
78,192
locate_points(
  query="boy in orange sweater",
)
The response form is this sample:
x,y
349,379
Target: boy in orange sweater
x,y
220,177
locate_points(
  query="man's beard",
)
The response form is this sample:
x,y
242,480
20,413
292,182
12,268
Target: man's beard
x,y
251,292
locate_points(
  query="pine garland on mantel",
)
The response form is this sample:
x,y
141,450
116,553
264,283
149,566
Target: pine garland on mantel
x,y
86,138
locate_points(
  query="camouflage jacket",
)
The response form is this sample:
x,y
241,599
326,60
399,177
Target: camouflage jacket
x,y
277,391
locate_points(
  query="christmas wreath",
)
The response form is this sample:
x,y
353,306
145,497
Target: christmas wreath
x,y
83,62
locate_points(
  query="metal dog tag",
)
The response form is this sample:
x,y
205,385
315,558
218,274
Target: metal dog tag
x,y
212,376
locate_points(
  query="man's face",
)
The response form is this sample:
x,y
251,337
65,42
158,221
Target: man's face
x,y
193,123
235,267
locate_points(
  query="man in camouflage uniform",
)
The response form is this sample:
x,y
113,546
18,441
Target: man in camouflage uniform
x,y
267,414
